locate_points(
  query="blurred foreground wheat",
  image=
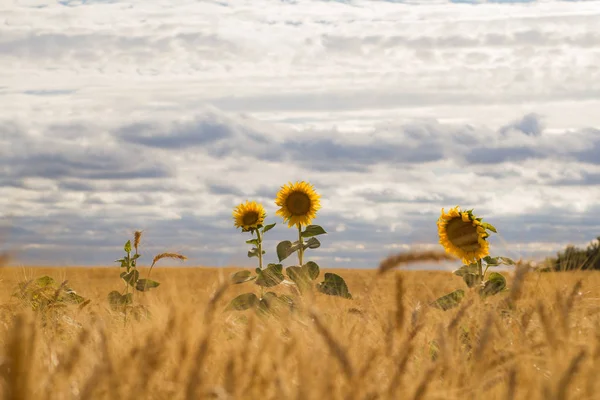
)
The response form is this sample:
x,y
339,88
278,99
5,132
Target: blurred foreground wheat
x,y
541,340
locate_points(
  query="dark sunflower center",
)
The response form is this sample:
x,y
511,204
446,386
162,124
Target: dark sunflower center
x,y
250,218
298,203
463,234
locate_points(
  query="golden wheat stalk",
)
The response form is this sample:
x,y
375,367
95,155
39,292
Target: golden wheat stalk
x,y
547,326
403,359
137,236
334,346
160,256
168,255
421,390
397,260
517,284
211,306
400,311
484,339
567,377
512,384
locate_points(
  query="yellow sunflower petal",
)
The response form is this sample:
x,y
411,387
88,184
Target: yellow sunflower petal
x,y
249,215
298,203
462,235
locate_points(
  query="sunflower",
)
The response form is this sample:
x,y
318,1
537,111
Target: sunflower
x,y
249,216
299,203
463,235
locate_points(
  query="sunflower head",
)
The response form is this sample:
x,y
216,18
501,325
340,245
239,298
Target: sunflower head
x,y
463,234
298,202
249,216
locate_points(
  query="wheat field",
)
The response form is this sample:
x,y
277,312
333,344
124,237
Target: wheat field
x,y
539,340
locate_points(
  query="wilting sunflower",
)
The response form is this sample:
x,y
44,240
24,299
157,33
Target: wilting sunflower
x,y
463,235
299,203
249,216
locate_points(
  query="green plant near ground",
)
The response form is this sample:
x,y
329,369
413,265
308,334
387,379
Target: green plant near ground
x,y
268,277
47,297
124,301
299,203
306,272
464,235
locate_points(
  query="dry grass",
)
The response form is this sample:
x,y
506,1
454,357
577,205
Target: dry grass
x,y
539,341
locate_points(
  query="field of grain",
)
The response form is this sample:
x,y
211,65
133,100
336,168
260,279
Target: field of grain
x,y
539,340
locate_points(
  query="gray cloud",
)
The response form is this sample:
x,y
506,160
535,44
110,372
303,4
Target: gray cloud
x,y
490,155
84,166
325,154
211,132
395,196
224,189
109,211
591,154
176,137
585,179
530,124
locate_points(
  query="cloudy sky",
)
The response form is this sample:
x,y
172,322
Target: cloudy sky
x,y
162,115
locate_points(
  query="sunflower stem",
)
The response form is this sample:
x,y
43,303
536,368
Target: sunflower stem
x,y
260,260
480,267
301,249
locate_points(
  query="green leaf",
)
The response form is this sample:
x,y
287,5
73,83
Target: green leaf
x,y
334,285
241,277
449,301
506,260
44,281
72,297
268,228
143,285
127,247
286,248
288,300
243,302
269,296
491,261
311,268
115,298
130,277
253,252
467,269
489,227
283,250
471,279
136,256
127,298
266,303
312,243
494,284
270,303
313,230
252,241
270,276
300,277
